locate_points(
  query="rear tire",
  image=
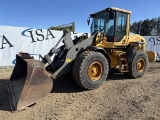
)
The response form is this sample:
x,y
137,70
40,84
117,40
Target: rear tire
x,y
90,69
138,66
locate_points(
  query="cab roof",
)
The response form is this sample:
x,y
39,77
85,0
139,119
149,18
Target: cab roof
x,y
111,9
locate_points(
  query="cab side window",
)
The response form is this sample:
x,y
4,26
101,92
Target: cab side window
x,y
121,25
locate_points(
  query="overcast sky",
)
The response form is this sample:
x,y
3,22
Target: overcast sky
x,y
46,13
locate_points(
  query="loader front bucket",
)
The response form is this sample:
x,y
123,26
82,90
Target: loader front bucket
x,y
29,82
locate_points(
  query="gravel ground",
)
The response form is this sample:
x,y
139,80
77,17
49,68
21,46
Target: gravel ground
x,y
119,98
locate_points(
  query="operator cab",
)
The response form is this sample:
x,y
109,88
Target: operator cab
x,y
112,22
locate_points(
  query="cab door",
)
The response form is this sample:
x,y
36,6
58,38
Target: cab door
x,y
121,26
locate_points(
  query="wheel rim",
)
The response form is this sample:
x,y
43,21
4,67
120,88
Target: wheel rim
x,y
140,65
95,70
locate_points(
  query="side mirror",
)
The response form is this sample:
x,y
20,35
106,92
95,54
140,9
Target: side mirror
x,y
111,15
88,21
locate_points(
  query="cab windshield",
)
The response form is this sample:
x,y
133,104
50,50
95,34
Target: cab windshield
x,y
104,23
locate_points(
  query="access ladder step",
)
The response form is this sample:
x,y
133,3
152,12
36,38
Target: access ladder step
x,y
123,66
123,59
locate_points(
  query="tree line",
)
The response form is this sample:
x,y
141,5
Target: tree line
x,y
149,27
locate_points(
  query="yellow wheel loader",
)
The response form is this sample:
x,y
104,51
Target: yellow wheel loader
x,y
110,45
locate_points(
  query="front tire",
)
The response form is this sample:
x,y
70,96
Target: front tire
x,y
138,66
90,69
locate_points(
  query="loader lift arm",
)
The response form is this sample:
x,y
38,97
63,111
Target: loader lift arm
x,y
47,57
68,54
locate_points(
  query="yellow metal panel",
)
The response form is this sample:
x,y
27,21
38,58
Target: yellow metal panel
x,y
151,56
114,61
